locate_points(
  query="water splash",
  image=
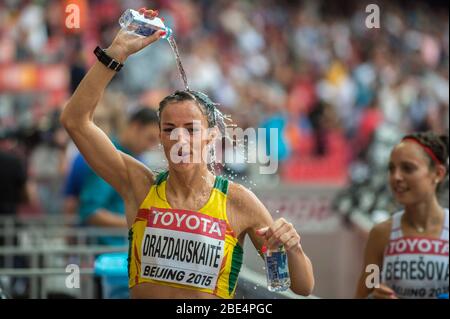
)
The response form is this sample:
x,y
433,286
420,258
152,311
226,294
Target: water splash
x,y
223,121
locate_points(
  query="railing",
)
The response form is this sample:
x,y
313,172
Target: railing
x,y
83,255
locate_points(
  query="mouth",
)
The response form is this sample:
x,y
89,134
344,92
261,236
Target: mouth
x,y
400,190
184,156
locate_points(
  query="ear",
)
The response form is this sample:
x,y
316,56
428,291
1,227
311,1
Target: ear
x,y
213,133
441,172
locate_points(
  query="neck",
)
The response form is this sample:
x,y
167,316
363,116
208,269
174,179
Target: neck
x,y
196,180
424,214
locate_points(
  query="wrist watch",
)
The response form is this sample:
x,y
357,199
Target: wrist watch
x,y
107,60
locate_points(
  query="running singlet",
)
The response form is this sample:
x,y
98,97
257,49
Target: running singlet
x,y
182,248
416,267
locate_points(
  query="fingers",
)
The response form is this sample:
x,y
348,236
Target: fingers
x,y
148,13
262,232
378,295
385,289
279,236
154,37
293,242
280,233
384,292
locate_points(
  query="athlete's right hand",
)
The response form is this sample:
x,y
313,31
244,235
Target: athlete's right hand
x,y
383,292
125,43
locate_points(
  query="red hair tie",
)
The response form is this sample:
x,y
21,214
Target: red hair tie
x,y
428,150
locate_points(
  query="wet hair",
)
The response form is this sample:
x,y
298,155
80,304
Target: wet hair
x,y
438,145
214,117
144,116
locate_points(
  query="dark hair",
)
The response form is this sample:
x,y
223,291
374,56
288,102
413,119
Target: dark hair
x,y
144,116
209,108
438,144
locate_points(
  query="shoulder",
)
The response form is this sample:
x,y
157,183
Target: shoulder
x,y
379,235
241,196
382,229
244,203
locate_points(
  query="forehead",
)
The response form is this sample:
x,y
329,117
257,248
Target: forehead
x,y
409,151
181,112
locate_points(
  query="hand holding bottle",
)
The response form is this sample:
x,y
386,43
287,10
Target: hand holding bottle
x,y
126,43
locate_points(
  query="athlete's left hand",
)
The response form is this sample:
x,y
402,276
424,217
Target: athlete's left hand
x,y
280,233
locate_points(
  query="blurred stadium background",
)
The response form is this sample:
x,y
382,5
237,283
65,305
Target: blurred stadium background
x,y
341,95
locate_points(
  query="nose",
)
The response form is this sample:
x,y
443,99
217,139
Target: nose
x,y
181,136
396,175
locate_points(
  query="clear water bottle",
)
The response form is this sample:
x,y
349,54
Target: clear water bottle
x,y
138,24
277,269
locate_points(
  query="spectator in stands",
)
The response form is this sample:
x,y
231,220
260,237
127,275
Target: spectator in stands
x,y
13,179
48,165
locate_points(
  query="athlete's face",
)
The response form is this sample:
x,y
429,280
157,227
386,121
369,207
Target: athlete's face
x,y
184,134
411,178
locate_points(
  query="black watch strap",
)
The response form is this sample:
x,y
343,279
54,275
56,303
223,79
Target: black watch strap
x,y
107,60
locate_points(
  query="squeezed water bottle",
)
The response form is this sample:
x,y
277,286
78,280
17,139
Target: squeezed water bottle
x,y
277,269
136,23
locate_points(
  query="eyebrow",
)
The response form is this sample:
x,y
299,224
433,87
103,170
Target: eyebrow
x,y
171,124
404,162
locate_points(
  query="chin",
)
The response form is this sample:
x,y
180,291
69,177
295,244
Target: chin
x,y
407,200
182,167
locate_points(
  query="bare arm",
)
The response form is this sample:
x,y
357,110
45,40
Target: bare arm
x,y
109,163
262,230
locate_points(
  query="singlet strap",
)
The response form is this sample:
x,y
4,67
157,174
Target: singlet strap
x,y
161,177
446,222
445,233
396,230
221,184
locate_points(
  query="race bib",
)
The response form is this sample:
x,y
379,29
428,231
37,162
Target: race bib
x,y
183,247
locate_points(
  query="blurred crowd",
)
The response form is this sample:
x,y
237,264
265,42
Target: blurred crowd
x,y
312,69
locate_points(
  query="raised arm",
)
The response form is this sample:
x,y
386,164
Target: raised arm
x,y
109,163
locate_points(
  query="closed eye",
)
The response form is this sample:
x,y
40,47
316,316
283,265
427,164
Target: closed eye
x,y
408,168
